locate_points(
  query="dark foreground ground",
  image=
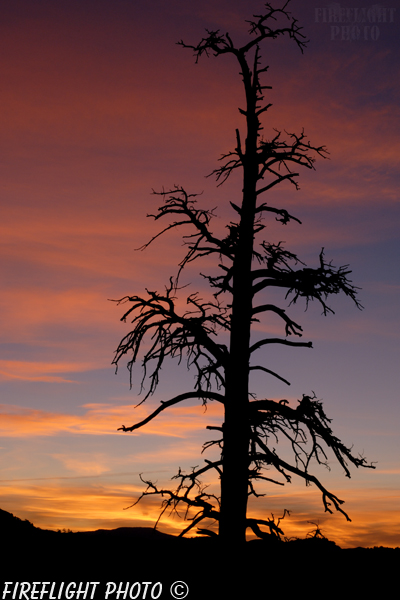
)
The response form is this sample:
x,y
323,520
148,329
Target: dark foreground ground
x,y
143,563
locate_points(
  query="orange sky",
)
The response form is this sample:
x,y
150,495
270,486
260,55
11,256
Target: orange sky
x,y
99,106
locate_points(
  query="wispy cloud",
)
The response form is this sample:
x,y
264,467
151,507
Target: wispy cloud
x,y
41,371
103,419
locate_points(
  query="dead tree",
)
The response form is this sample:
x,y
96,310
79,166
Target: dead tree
x,y
247,268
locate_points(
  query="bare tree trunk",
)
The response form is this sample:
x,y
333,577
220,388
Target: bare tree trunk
x,y
236,432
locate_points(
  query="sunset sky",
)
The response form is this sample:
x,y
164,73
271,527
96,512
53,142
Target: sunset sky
x,y
99,106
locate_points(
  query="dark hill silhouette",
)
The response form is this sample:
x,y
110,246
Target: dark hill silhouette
x,y
129,554
11,525
132,533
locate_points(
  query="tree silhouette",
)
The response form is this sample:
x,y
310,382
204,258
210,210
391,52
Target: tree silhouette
x,y
247,268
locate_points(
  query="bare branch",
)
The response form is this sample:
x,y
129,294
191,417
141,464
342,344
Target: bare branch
x,y
202,502
261,343
311,284
174,335
201,394
285,216
258,368
273,526
262,30
290,328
